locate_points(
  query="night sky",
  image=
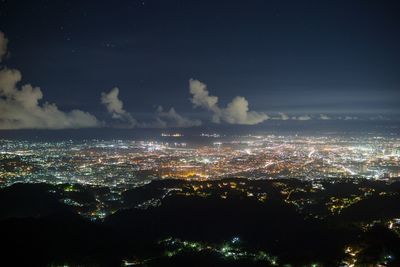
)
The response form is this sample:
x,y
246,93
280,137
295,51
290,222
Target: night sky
x,y
289,60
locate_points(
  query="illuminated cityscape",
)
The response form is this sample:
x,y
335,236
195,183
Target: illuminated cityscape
x,y
123,164
205,133
322,178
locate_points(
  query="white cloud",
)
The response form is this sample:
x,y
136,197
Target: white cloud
x,y
201,97
281,117
163,119
116,108
347,118
3,46
303,118
20,108
284,116
170,119
236,112
112,103
324,117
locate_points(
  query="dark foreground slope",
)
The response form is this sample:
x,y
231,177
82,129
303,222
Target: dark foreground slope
x,y
222,223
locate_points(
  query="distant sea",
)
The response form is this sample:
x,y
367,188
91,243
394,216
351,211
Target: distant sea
x,y
312,128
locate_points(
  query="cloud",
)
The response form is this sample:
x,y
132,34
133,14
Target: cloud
x,y
201,97
236,112
324,117
20,107
163,119
112,103
170,119
284,116
3,45
116,108
173,119
347,118
302,118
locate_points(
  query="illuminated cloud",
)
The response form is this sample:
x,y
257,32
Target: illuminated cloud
x,y
284,116
302,118
236,112
201,97
281,117
162,118
324,117
116,108
112,103
20,107
170,119
347,118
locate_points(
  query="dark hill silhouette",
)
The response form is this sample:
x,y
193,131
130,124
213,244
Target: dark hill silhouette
x,y
29,200
373,208
36,225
